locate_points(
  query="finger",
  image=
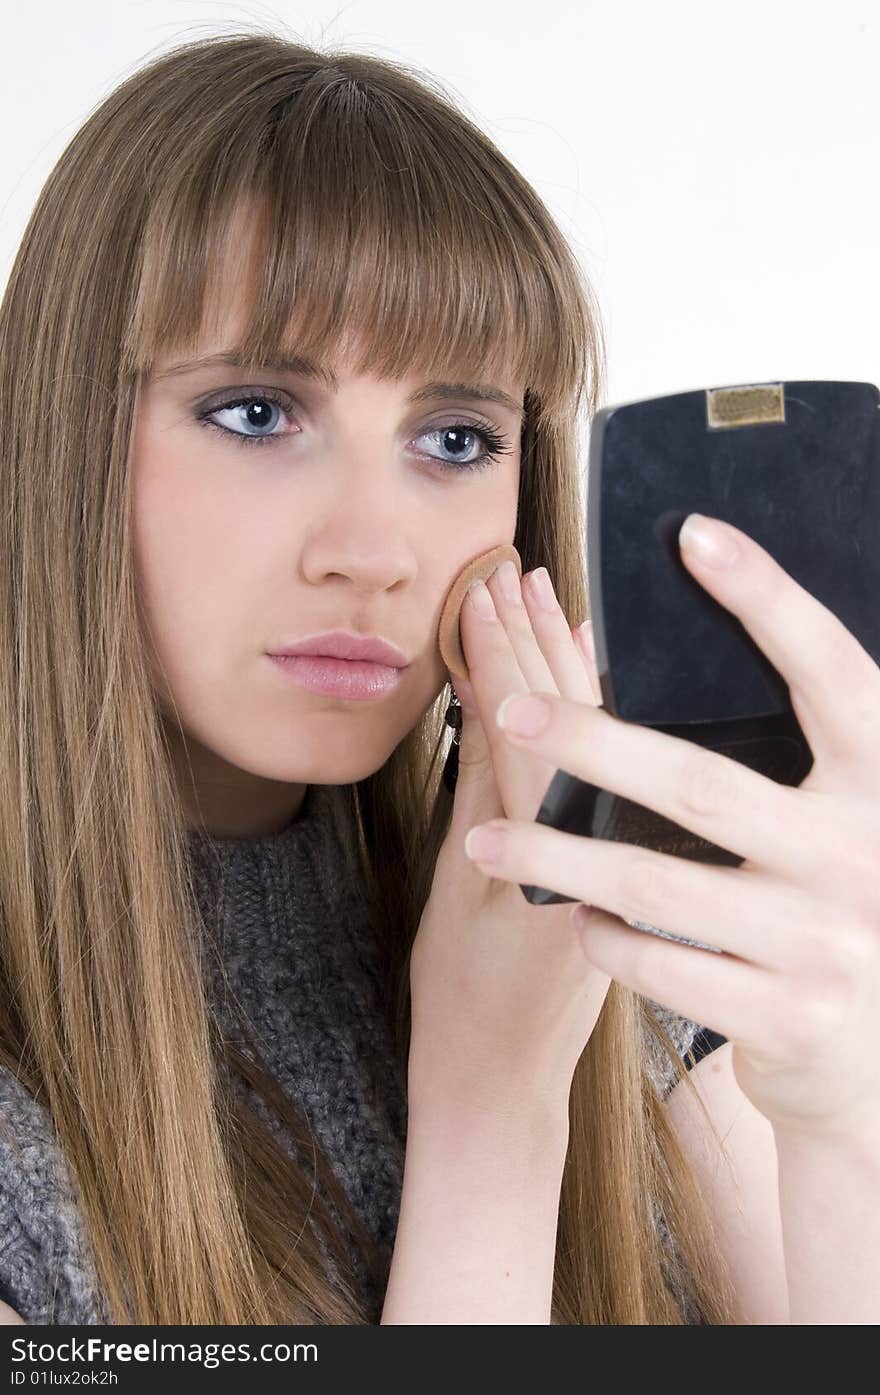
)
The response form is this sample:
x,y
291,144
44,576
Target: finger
x,y
522,777
834,682
775,826
552,634
732,910
507,594
737,999
583,637
539,633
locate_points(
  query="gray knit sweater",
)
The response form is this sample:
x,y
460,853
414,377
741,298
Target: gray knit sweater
x,y
297,955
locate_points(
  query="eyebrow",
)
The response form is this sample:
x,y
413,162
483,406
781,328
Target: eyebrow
x,y
304,368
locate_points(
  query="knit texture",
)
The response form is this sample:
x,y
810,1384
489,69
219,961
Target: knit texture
x,y
296,950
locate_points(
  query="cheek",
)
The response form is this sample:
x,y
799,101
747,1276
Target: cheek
x,y
487,522
185,556
494,521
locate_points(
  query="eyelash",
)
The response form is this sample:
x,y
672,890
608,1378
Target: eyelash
x,y
494,444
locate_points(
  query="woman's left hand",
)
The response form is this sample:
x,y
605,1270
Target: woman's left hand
x,y
796,986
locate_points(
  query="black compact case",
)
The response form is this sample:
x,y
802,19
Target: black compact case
x,y
796,466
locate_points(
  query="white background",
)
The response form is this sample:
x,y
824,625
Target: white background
x,y
714,166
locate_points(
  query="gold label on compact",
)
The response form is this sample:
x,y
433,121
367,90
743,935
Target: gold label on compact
x,y
745,406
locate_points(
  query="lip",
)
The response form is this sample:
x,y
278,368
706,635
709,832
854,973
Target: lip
x,y
346,644
339,678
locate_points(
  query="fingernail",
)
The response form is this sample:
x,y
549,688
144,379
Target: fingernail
x,y
484,844
480,598
544,590
709,540
511,589
523,716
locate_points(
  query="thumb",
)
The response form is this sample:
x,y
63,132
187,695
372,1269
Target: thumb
x,y
477,797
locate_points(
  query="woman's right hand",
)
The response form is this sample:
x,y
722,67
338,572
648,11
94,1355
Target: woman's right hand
x,y
503,997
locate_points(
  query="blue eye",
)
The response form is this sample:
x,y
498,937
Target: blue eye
x,y
494,444
241,437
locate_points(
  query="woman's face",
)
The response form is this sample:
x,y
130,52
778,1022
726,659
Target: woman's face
x,y
356,512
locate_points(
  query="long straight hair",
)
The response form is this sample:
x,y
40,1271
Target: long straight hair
x,y
382,217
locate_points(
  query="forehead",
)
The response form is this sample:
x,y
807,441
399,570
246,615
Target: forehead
x,y
235,260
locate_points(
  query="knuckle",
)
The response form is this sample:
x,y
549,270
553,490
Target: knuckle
x,y
648,974
816,1018
857,859
646,886
834,952
708,783
853,946
811,943
866,715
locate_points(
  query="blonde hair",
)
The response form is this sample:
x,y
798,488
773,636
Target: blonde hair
x,y
385,217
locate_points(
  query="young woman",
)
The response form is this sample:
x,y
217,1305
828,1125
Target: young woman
x,y
288,342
